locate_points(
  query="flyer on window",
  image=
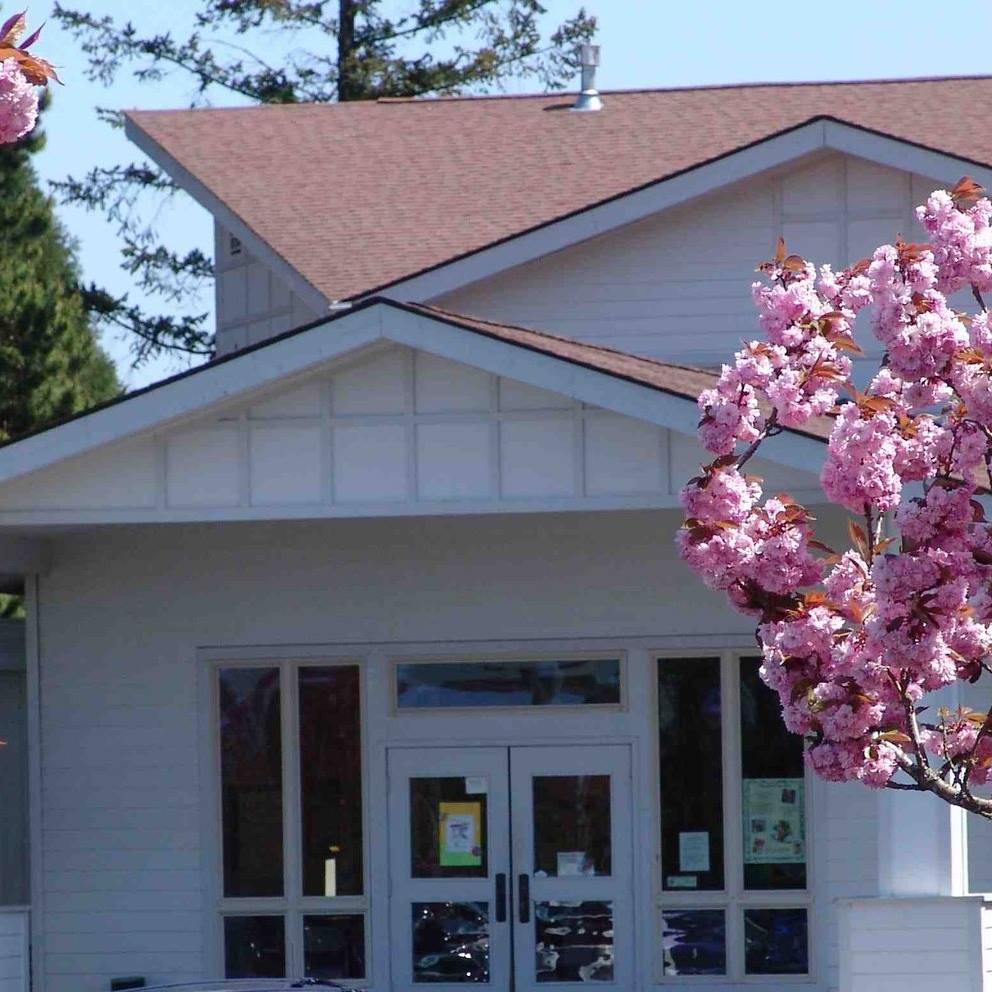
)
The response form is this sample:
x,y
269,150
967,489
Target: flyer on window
x,y
774,821
460,834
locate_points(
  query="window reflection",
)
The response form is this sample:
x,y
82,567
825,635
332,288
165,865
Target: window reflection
x,y
772,789
254,947
331,780
776,942
690,748
572,824
574,941
334,946
251,781
450,942
694,941
508,683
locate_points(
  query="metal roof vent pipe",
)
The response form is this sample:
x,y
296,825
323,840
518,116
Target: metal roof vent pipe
x,y
588,99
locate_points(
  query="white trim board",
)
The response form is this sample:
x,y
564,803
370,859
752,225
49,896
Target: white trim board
x,y
297,353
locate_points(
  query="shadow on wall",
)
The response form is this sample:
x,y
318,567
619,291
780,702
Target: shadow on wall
x,y
14,884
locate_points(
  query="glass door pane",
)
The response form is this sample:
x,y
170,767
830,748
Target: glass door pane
x,y
449,865
571,826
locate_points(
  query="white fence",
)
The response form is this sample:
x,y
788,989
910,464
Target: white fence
x,y
14,949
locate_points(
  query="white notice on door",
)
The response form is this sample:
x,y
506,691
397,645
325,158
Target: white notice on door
x,y
572,863
694,851
476,785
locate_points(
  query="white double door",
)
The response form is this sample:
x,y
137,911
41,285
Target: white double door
x,y
510,867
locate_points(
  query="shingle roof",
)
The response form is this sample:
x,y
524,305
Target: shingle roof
x,y
357,196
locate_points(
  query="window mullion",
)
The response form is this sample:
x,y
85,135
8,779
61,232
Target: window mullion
x,y
733,816
291,818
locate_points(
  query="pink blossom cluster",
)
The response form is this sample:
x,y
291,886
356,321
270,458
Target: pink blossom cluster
x,y
18,103
854,642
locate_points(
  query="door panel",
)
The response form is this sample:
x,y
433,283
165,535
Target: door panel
x,y
572,841
510,868
449,823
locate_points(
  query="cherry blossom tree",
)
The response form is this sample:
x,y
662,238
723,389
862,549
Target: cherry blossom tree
x,y
857,641
20,74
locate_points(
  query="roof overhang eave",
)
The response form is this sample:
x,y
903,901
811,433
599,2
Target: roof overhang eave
x,y
298,353
223,214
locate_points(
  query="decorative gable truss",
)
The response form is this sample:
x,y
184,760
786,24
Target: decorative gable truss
x,y
386,428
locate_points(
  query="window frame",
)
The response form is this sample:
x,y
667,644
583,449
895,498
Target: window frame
x,y
292,905
397,661
733,899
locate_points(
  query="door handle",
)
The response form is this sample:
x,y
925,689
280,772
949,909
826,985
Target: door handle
x,y
523,898
500,897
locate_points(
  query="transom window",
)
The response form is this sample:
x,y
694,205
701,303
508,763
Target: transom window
x,y
545,682
734,896
293,856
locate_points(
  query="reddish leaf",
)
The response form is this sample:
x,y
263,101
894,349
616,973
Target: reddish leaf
x,y
895,737
844,343
858,537
966,193
12,29
31,39
37,70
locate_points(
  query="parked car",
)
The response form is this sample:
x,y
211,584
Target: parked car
x,y
252,985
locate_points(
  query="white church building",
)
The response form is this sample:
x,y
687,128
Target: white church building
x,y
362,652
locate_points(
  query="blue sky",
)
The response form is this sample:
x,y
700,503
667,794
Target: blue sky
x,y
644,43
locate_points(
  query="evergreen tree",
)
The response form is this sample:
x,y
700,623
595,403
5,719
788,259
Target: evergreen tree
x,y
51,364
289,51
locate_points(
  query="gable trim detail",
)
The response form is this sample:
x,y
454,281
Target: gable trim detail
x,y
300,352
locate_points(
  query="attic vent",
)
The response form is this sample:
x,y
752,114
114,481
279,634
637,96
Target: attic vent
x,y
588,99
234,245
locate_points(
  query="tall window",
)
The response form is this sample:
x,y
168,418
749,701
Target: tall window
x,y
293,885
734,897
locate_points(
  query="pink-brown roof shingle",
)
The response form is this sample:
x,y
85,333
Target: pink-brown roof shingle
x,y
357,196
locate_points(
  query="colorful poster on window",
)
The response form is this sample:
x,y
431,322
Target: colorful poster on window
x,y
460,834
774,821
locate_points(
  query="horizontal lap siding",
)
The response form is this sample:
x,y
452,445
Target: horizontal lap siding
x,y
913,944
121,871
13,951
677,285
122,856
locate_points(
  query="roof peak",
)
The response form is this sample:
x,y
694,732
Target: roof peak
x,y
562,94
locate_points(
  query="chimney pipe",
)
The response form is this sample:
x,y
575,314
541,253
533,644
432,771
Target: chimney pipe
x,y
588,98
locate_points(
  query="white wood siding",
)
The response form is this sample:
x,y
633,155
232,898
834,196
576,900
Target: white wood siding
x,y
122,859
400,431
14,955
848,866
253,303
911,945
677,285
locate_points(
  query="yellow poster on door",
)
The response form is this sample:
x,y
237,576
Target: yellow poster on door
x,y
460,834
